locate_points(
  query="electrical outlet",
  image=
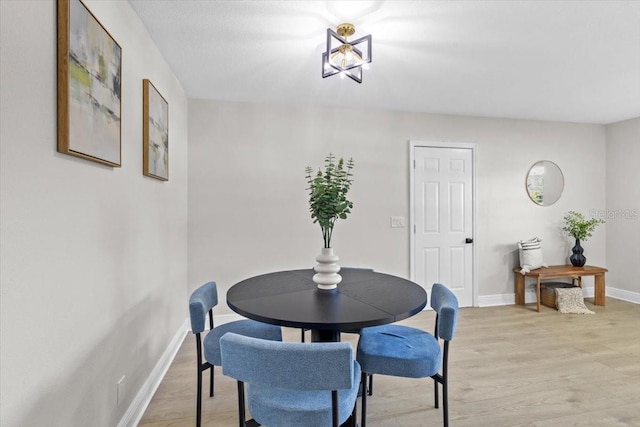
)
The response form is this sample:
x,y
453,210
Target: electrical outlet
x,y
120,390
397,221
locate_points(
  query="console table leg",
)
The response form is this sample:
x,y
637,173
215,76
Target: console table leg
x,y
599,290
519,282
538,295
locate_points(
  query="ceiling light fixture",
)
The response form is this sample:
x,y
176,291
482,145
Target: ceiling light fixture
x,y
344,57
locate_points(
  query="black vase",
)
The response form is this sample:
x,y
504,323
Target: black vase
x,y
577,259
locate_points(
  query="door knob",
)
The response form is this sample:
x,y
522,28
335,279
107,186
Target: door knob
x,y
468,240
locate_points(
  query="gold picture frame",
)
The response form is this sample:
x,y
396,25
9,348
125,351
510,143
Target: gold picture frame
x,y
89,86
155,132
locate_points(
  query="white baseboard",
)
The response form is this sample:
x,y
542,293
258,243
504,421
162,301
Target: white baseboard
x,y
498,299
530,297
623,295
135,411
140,403
226,318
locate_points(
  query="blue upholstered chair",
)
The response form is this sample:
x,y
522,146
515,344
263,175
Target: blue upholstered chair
x,y
403,351
354,331
202,302
292,384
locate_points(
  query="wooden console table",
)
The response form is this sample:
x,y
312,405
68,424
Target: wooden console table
x,y
557,272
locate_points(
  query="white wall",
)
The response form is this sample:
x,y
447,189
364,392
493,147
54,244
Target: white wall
x,y
93,258
248,211
623,206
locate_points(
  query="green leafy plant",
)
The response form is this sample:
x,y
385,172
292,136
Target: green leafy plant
x,y
577,226
328,194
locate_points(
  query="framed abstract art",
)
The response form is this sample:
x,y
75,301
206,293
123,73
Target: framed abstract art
x,y
155,133
89,86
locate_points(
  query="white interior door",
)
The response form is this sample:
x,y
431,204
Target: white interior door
x,y
443,219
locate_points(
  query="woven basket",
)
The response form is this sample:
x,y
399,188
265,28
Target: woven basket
x,y
548,292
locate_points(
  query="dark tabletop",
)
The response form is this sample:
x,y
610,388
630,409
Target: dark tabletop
x,y
291,298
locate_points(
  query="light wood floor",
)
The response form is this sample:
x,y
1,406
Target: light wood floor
x,y
509,366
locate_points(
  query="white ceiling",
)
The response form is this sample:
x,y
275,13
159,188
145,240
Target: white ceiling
x,y
576,61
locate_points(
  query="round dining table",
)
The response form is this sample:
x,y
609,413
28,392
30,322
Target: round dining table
x,y
363,298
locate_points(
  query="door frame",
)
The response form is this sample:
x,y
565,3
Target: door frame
x,y
474,206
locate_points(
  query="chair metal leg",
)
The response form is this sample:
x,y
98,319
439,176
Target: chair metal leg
x,y
201,368
199,399
334,408
302,335
444,380
211,381
370,391
241,413
363,417
445,403
199,352
199,391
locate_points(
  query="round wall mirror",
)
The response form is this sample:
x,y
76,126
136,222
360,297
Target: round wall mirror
x,y
545,183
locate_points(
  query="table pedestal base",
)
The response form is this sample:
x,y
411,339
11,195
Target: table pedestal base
x,y
325,335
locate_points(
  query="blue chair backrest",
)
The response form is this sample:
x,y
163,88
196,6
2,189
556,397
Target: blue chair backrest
x,y
287,365
202,300
445,304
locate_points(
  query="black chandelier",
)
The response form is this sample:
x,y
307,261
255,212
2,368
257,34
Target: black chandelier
x,y
343,57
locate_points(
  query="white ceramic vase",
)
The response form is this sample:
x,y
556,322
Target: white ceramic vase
x,y
327,269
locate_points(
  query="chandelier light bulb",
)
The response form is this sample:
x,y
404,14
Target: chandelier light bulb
x,y
343,56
